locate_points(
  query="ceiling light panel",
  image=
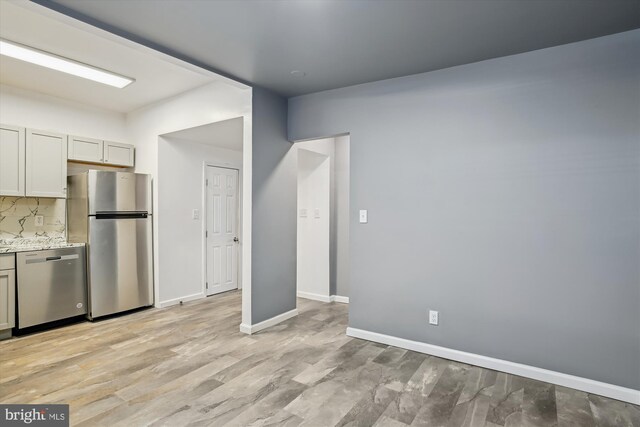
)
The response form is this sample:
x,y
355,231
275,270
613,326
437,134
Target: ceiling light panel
x,y
58,63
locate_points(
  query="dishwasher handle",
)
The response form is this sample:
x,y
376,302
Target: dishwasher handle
x,y
52,258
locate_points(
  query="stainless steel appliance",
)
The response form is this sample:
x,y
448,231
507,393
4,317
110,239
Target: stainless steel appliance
x,y
51,285
111,212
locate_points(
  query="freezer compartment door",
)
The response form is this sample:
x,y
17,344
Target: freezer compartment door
x,y
120,264
51,285
118,192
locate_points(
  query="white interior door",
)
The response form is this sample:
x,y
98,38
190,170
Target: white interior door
x,y
222,229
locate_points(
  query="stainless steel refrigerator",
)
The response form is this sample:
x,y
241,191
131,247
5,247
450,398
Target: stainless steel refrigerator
x,y
111,213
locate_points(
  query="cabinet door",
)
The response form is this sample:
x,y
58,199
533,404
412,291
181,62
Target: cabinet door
x,y
11,161
118,154
7,299
46,164
85,149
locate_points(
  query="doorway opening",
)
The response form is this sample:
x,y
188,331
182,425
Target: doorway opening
x,y
200,203
314,210
323,219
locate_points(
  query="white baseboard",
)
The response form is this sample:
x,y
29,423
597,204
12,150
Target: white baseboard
x,y
339,298
175,301
315,297
323,298
579,383
251,329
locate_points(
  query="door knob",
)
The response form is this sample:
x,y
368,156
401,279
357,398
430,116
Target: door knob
x,y
235,239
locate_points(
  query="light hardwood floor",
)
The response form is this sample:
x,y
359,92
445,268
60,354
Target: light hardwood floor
x,y
189,365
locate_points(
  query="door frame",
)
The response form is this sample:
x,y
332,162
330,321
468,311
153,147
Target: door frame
x,y
203,217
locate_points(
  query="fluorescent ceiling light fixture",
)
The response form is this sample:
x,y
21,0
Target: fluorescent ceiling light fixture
x,y
55,62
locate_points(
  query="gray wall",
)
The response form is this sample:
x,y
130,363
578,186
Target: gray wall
x,y
506,195
273,255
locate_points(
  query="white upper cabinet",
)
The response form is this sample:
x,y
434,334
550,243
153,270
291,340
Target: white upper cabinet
x,y
33,163
12,162
83,149
118,154
91,150
46,164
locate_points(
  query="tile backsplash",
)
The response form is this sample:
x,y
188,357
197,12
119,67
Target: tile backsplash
x,y
17,217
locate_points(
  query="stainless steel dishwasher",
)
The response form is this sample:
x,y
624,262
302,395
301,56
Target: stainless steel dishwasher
x,y
51,285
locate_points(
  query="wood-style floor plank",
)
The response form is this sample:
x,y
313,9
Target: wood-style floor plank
x,y
190,365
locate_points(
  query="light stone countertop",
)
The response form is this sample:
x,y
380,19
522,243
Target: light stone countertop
x,y
8,246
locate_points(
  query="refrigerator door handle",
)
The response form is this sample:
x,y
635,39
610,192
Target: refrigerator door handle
x,y
121,215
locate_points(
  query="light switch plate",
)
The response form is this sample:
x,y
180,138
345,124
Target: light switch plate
x,y
316,213
364,217
39,220
303,213
195,214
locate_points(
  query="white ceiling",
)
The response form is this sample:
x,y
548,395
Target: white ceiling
x,y
157,76
225,134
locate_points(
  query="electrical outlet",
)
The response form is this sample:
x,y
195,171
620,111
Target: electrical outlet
x,y
433,317
39,220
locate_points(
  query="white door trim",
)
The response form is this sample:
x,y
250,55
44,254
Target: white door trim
x,y
246,209
203,217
